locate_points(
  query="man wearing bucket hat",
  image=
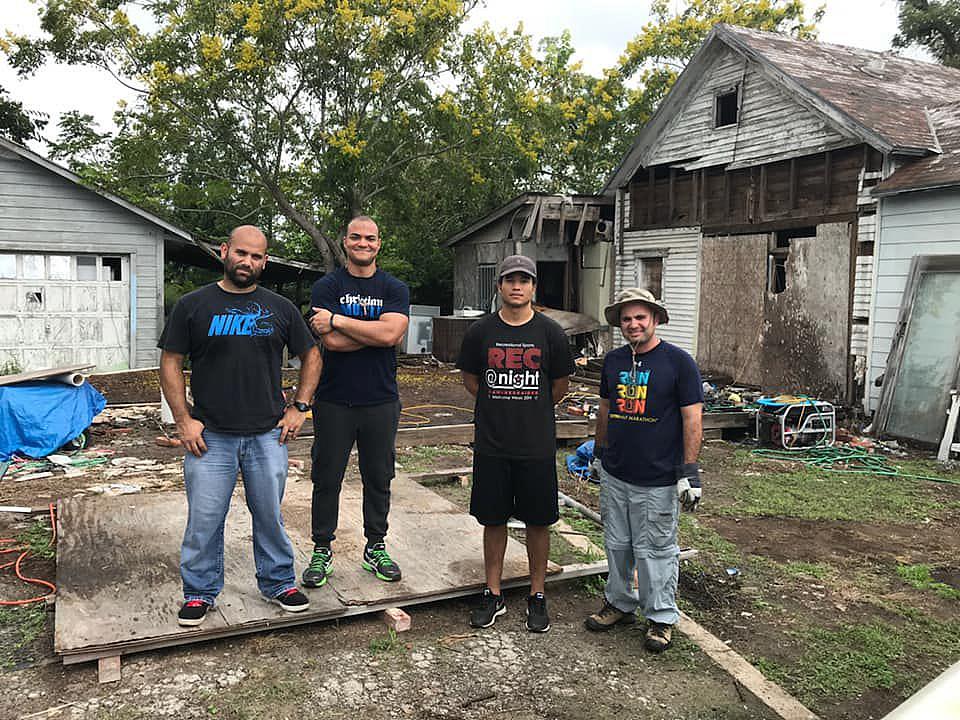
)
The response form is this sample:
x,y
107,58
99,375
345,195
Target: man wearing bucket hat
x,y
649,430
517,364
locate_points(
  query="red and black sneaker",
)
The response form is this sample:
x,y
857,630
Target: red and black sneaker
x,y
192,613
292,600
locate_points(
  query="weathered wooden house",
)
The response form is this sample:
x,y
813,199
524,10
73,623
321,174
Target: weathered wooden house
x,y
81,270
569,237
915,333
745,202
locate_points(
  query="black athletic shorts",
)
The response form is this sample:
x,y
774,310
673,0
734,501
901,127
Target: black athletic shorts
x,y
505,487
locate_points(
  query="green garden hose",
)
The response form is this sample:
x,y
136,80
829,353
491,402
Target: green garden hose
x,y
846,460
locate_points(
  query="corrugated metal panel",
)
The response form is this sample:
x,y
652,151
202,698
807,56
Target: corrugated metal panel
x,y
680,279
771,122
918,223
42,212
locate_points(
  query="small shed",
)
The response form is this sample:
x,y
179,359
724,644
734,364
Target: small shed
x,y
82,270
568,236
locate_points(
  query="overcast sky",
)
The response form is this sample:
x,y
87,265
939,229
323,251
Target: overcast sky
x,y
599,36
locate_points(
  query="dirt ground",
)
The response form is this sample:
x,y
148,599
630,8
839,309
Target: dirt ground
x,y
844,589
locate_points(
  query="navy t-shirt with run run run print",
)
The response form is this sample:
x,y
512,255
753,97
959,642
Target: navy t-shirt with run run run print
x,y
367,376
644,427
235,343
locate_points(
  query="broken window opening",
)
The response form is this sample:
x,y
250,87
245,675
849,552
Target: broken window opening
x,y
112,269
727,108
777,271
648,274
35,299
486,285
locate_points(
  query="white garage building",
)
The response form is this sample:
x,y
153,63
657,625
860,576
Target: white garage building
x,y
81,271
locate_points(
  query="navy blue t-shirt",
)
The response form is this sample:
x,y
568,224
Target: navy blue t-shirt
x,y
644,428
235,342
367,376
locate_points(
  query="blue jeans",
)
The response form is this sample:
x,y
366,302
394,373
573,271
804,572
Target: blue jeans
x,y
209,481
640,533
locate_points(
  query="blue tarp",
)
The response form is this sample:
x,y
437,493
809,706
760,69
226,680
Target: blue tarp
x,y
39,417
579,464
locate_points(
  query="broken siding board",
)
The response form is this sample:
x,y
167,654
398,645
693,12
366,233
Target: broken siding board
x,y
770,121
917,223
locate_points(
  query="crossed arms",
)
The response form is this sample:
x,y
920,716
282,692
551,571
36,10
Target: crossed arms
x,y
346,334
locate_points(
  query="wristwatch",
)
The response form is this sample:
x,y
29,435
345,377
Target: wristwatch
x,y
301,406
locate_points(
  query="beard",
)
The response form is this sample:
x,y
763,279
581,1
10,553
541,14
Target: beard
x,y
241,281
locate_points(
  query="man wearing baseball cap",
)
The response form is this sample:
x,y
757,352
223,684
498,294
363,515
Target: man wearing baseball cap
x,y
517,364
649,430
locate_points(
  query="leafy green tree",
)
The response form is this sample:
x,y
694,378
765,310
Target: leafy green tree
x,y
18,124
933,25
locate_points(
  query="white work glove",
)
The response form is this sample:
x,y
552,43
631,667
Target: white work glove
x,y
689,490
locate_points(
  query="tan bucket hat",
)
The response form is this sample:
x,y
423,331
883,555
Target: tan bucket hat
x,y
631,295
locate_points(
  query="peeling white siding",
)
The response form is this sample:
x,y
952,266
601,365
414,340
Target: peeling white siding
x,y
681,276
772,124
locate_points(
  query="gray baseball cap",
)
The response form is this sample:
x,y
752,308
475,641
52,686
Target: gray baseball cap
x,y
518,263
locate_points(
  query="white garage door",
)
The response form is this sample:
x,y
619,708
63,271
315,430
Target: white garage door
x,y
58,310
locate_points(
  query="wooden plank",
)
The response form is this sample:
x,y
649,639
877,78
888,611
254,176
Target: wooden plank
x,y
946,443
42,374
792,192
111,548
671,201
651,193
566,572
827,177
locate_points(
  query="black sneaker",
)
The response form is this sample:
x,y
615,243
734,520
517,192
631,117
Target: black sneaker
x,y
192,613
320,567
378,561
292,600
487,610
537,618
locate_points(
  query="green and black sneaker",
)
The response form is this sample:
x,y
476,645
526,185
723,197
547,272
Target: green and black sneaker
x,y
378,561
320,567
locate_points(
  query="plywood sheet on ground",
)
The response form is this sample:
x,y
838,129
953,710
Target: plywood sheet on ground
x,y
119,584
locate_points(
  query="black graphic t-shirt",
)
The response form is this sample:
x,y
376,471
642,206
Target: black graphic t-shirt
x,y
516,366
235,342
645,429
367,376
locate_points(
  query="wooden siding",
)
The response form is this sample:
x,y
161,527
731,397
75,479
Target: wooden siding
x,y
917,223
772,124
681,281
41,212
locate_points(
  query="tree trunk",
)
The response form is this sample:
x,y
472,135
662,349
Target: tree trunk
x,y
330,251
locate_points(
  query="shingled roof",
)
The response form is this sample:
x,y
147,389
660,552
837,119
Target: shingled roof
x,y
878,97
941,170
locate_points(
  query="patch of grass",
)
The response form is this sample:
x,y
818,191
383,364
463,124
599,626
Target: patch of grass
x,y
584,525
20,625
919,577
840,663
708,541
37,539
804,569
793,490
388,645
257,698
421,459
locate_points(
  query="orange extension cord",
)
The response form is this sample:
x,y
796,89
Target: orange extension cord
x,y
24,552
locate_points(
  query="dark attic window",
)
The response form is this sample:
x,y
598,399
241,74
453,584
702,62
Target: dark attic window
x,y
727,111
